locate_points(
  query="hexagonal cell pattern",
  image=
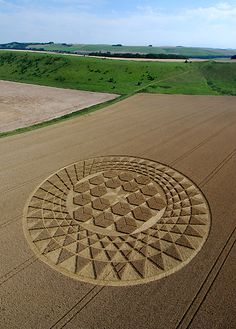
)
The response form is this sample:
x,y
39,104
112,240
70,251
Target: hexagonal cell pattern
x,y
143,180
121,208
98,191
82,199
100,204
97,180
83,214
149,190
126,225
156,203
136,198
113,183
104,220
142,213
110,174
126,176
130,186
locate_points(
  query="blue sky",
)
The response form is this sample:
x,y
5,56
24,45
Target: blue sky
x,y
207,23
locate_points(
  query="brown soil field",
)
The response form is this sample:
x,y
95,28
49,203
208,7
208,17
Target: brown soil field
x,y
23,105
142,235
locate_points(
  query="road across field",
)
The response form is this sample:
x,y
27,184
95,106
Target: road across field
x,y
22,105
194,135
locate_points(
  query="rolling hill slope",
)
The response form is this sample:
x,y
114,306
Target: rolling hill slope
x,y
191,52
121,77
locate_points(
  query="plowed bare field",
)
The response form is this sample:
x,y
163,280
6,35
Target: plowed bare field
x,y
22,105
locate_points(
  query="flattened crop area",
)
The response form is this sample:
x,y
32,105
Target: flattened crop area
x,y
23,105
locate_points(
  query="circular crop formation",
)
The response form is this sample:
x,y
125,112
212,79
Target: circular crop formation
x,y
117,220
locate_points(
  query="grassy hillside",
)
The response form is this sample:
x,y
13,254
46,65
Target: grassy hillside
x,y
207,78
184,51
122,77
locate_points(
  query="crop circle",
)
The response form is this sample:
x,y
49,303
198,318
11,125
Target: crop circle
x,y
117,220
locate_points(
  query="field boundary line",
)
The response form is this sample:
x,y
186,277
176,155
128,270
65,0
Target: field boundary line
x,y
186,130
63,118
22,184
74,310
17,269
187,153
206,285
217,168
10,221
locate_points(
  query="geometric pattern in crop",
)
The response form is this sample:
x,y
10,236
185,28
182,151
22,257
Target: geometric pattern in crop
x,y
117,220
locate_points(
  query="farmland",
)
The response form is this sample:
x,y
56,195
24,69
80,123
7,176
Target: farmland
x,y
184,51
195,135
117,164
177,142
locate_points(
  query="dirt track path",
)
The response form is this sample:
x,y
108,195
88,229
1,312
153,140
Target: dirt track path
x,y
195,135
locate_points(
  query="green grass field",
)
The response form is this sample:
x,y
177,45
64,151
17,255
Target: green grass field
x,y
185,51
121,77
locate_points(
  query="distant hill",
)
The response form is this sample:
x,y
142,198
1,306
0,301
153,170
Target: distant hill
x,y
14,45
20,45
190,52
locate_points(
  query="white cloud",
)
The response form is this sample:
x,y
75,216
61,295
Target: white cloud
x,y
213,26
221,11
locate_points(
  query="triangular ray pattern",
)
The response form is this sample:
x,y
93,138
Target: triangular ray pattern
x,y
64,255
42,244
173,252
34,223
157,260
81,262
54,255
69,264
139,266
184,241
190,230
130,273
151,270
